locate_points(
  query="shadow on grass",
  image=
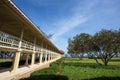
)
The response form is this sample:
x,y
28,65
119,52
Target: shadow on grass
x,y
104,78
79,64
5,64
46,77
91,65
9,63
115,60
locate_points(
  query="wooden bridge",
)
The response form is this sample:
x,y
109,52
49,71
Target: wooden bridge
x,y
19,35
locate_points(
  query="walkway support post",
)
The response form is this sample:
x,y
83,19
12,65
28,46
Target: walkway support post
x,y
51,55
33,59
45,57
21,38
17,55
41,56
16,62
33,54
46,54
27,58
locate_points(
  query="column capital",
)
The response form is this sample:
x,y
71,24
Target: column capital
x,y
34,52
19,50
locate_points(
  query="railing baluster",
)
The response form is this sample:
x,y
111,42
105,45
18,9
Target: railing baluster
x,y
12,41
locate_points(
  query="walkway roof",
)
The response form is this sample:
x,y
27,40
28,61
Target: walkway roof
x,y
13,21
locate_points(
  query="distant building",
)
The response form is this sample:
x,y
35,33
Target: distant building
x,y
62,52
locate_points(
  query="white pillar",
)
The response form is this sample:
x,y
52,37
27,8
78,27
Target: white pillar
x,y
41,57
51,56
27,58
33,54
48,56
16,62
34,44
45,57
54,56
42,54
17,55
33,59
21,37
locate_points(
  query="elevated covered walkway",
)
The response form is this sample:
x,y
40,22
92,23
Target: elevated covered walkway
x,y
19,35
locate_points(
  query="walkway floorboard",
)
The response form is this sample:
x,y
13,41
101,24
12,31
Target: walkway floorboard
x,y
7,75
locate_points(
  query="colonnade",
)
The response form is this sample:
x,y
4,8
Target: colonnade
x,y
20,36
18,45
43,58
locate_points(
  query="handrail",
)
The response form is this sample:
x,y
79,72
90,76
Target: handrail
x,y
8,40
12,41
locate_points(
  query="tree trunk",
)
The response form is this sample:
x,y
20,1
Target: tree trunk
x,y
105,62
98,62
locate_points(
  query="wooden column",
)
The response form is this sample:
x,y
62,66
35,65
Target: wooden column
x,y
15,62
33,54
27,58
45,57
48,56
33,59
21,37
17,55
51,56
41,57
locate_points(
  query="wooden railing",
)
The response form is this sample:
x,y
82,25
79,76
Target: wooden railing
x,y
8,40
12,41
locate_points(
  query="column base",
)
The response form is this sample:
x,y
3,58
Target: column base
x,y
13,71
26,64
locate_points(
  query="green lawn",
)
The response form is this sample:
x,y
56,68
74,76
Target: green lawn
x,y
5,60
78,69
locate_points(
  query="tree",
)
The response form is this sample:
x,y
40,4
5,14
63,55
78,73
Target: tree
x,y
78,46
71,47
105,45
49,36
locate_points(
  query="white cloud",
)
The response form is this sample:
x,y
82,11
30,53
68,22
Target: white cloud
x,y
81,12
79,16
67,25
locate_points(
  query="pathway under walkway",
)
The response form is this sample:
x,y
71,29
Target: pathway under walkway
x,y
23,71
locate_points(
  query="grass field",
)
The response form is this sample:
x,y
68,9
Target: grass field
x,y
77,69
5,60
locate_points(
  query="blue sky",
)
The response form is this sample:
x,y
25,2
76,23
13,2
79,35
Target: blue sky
x,y
66,18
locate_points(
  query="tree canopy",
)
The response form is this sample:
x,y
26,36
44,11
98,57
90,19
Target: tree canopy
x,y
103,45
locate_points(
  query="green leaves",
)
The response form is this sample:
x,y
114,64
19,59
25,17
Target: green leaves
x,y
78,45
103,45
